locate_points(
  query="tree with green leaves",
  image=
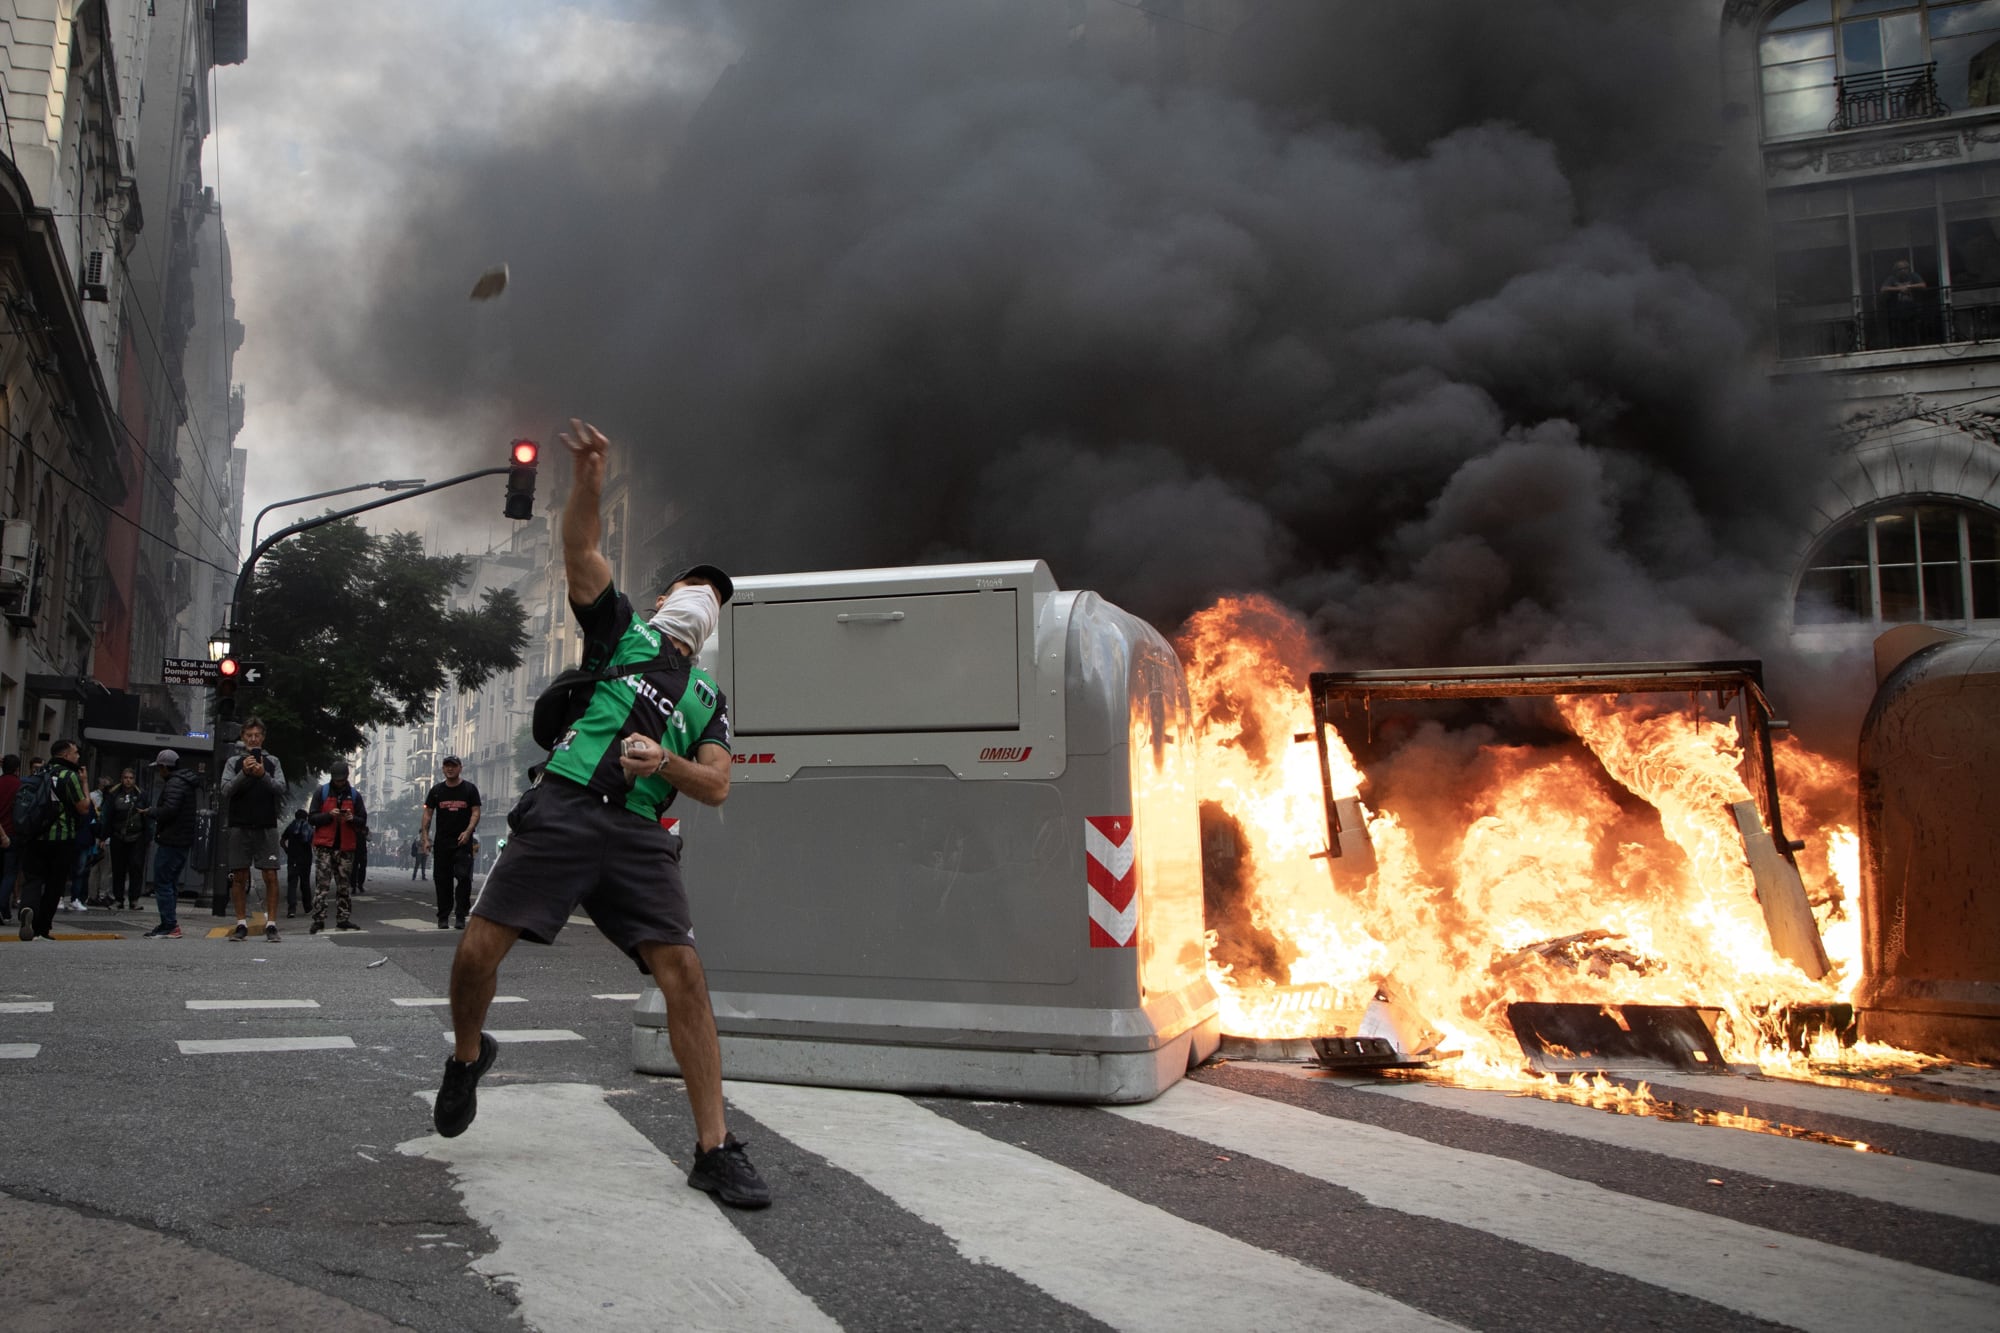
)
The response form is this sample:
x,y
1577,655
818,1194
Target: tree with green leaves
x,y
357,630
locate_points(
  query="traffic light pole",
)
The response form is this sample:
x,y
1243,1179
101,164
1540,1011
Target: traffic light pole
x,y
239,623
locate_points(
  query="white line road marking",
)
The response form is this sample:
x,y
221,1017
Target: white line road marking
x,y
19,1050
253,1004
28,1007
1123,1261
619,995
1926,1186
412,923
438,1001
247,1045
531,1034
1802,1283
578,919
1884,1108
597,1228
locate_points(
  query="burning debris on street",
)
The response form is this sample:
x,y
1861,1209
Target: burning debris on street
x,y
1587,851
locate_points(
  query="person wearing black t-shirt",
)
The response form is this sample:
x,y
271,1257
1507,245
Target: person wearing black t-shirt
x,y
454,803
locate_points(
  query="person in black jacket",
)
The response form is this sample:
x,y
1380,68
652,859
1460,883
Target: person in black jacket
x,y
298,842
176,819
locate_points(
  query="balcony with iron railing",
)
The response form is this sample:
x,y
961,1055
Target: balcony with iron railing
x,y
1963,314
1883,97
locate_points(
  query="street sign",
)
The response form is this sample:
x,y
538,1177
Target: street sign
x,y
186,671
196,671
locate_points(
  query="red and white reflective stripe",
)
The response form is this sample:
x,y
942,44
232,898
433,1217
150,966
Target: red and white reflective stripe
x,y
1108,854
671,824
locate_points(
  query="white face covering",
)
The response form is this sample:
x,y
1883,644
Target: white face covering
x,y
689,614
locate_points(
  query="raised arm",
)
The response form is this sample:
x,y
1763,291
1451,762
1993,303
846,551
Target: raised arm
x,y
584,565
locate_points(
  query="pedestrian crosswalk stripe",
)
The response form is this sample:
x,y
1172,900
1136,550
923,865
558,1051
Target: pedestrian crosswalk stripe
x,y
1884,1108
597,1228
19,1050
253,1004
249,1045
413,923
28,1007
1928,1186
1123,1261
531,1034
618,995
1795,1281
437,1001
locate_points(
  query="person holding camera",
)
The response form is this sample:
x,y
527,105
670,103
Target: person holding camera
x,y
253,794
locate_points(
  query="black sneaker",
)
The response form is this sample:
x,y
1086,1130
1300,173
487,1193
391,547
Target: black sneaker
x,y
27,924
726,1173
242,932
271,932
317,927
458,1096
444,923
345,925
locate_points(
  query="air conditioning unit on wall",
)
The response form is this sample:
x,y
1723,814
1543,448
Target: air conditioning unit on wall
x,y
21,573
95,288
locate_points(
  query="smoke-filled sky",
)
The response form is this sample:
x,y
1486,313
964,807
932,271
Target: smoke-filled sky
x,y
1431,318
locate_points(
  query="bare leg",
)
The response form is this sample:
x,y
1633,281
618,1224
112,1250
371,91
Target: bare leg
x,y
239,884
691,1029
475,972
270,895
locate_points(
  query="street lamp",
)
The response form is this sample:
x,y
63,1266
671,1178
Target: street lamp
x,y
399,484
218,644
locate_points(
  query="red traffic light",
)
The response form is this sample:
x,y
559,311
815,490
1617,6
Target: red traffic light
x,y
228,667
521,478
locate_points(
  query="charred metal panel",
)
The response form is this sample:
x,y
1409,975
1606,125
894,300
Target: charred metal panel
x,y
1930,852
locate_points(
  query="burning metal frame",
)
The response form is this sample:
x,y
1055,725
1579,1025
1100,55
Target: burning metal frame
x,y
1734,685
1729,682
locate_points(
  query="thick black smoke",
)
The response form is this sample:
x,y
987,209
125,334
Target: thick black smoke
x,y
1430,318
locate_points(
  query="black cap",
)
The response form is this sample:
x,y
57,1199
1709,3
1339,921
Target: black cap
x,y
450,759
724,588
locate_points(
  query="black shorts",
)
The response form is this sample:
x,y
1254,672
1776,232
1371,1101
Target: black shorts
x,y
570,847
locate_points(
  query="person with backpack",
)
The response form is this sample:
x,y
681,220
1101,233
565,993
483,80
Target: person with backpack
x,y
340,824
636,725
176,822
10,787
48,810
124,813
298,843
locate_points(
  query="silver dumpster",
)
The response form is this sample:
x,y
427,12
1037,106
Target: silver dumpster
x,y
961,852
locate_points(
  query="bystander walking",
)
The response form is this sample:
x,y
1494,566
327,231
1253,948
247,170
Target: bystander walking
x,y
176,821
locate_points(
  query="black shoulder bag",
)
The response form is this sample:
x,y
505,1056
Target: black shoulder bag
x,y
559,706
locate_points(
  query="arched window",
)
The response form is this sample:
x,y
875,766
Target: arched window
x,y
1929,560
1806,45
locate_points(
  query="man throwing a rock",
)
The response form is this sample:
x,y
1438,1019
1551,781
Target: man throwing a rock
x,y
590,832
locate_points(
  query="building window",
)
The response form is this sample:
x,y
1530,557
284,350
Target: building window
x,y
1929,561
1845,64
1899,261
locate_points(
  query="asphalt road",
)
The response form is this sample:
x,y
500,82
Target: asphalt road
x,y
149,1179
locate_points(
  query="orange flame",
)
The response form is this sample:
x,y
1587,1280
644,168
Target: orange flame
x,y
1605,869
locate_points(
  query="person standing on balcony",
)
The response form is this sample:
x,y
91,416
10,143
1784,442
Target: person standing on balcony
x,y
1901,301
